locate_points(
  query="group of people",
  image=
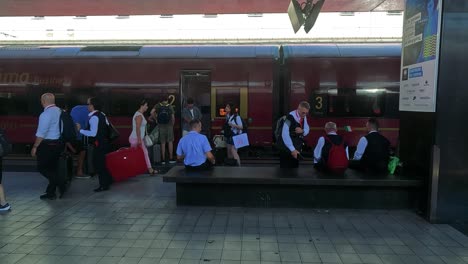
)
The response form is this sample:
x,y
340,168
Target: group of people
x,y
372,153
194,150
93,130
50,144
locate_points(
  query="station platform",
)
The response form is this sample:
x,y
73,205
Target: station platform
x,y
138,221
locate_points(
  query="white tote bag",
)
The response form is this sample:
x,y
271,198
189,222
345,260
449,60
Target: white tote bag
x,y
241,140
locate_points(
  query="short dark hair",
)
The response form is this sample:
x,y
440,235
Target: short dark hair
x,y
194,123
96,103
373,123
190,100
142,102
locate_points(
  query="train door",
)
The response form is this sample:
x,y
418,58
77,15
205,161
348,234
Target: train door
x,y
197,85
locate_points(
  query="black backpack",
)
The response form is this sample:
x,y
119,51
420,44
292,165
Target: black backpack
x,y
164,114
67,128
5,146
279,128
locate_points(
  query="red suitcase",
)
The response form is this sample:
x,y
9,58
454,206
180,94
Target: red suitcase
x,y
125,163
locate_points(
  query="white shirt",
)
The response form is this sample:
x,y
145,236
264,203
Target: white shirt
x,y
285,132
237,122
361,147
142,126
93,125
49,123
318,148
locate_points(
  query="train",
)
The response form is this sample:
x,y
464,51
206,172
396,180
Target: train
x,y
344,83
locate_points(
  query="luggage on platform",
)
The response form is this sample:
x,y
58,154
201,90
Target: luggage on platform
x,y
65,168
88,163
125,163
156,154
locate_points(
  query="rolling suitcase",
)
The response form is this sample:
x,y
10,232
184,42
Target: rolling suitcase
x,y
125,163
156,153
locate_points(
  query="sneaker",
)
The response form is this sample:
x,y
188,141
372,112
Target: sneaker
x,y
5,207
172,162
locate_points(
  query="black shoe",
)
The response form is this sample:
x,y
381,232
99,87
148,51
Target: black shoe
x,y
61,191
101,189
48,196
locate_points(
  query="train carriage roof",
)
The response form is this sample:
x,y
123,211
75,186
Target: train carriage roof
x,y
341,50
160,52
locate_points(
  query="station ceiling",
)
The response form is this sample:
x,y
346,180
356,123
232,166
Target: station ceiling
x,y
158,7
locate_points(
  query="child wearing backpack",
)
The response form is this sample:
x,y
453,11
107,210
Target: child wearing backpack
x,y
331,153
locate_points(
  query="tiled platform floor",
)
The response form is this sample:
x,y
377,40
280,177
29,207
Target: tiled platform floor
x,y
138,222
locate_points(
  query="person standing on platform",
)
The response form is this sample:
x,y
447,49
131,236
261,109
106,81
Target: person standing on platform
x,y
295,128
233,127
47,146
166,119
99,131
79,114
138,133
194,149
189,113
4,206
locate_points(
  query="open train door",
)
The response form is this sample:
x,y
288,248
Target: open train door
x,y
197,85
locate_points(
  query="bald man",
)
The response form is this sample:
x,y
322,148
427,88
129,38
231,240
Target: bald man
x,y
48,147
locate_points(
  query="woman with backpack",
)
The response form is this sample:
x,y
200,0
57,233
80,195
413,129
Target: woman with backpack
x,y
232,127
138,133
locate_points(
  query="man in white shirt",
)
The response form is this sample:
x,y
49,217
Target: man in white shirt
x,y
295,128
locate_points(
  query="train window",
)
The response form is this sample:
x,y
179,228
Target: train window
x,y
352,102
225,96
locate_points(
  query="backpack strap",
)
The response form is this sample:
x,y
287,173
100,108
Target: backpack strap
x,y
331,142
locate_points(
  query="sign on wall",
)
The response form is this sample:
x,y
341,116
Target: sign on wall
x,y
419,56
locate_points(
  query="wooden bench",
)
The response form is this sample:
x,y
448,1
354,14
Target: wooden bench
x,y
303,187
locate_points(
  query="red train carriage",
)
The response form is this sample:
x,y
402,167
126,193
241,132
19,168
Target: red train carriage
x,y
345,83
212,75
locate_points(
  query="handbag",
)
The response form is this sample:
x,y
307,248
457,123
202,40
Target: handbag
x,y
152,137
241,140
113,132
148,141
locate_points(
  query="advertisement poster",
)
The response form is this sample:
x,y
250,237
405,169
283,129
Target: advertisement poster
x,y
419,56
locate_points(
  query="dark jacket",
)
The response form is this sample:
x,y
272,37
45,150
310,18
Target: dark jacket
x,y
377,152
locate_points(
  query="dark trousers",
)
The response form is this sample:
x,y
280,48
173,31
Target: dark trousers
x,y
48,154
205,166
99,162
287,160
